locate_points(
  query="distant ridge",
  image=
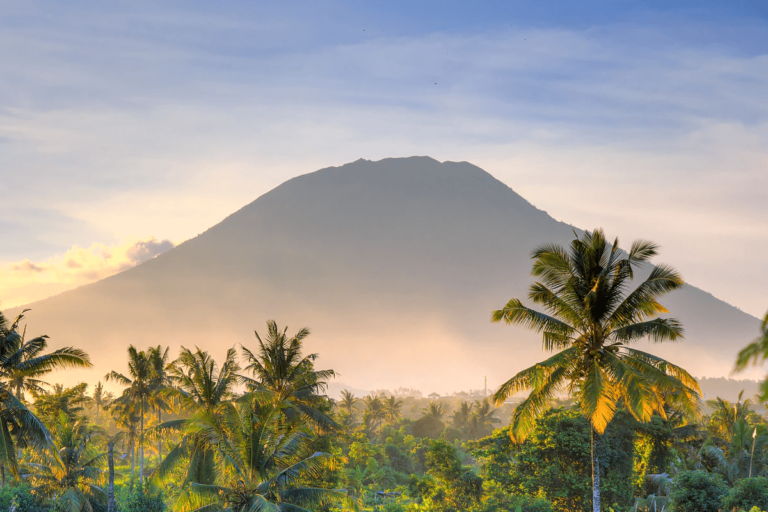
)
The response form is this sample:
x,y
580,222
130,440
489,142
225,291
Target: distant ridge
x,y
395,265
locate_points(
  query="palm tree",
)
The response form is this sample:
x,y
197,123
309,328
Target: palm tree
x,y
99,399
726,414
70,477
204,391
69,401
756,352
348,401
392,408
280,370
434,410
22,363
139,390
483,421
375,412
160,382
266,461
126,416
592,321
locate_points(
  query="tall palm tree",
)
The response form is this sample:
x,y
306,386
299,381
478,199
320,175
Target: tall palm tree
x,y
483,421
22,363
756,352
99,399
280,370
70,477
139,390
161,381
266,460
203,390
592,321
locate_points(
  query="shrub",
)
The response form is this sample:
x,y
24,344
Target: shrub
x,y
697,491
141,500
22,497
748,493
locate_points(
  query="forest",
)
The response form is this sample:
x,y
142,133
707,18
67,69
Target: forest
x,y
598,425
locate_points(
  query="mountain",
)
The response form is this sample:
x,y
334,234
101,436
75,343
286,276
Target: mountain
x,y
395,265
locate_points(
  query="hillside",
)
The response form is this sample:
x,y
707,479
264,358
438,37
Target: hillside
x,y
396,266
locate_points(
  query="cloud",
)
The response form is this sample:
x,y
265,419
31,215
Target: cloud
x,y
27,281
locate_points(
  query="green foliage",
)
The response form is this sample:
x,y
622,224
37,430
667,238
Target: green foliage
x,y
697,491
748,493
448,486
22,497
141,500
555,461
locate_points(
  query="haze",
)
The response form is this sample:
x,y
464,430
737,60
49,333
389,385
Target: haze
x,y
127,129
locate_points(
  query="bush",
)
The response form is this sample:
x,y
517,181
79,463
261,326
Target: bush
x,y
24,499
141,500
748,493
697,491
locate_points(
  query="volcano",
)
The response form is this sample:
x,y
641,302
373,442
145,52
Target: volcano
x,y
395,265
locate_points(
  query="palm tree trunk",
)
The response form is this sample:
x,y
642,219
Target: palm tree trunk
x,y
595,472
141,445
111,503
133,463
159,441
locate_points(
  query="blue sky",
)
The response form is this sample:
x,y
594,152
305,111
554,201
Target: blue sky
x,y
121,121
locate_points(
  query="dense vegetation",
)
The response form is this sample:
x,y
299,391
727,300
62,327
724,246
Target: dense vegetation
x,y
255,431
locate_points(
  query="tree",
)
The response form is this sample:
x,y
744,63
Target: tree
x,y
266,460
70,476
756,352
203,390
22,363
348,401
375,412
69,401
280,370
161,381
126,418
392,408
592,321
482,420
140,388
725,415
697,491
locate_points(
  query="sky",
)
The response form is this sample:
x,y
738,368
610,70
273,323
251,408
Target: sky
x,y
129,127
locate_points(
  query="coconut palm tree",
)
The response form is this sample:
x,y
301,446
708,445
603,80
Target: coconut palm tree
x,y
280,369
756,352
22,363
348,401
591,320
482,421
266,460
126,416
140,389
70,401
70,477
726,414
392,408
202,390
161,381
434,410
375,412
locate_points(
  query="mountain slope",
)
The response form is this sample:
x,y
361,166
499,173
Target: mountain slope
x,y
395,265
